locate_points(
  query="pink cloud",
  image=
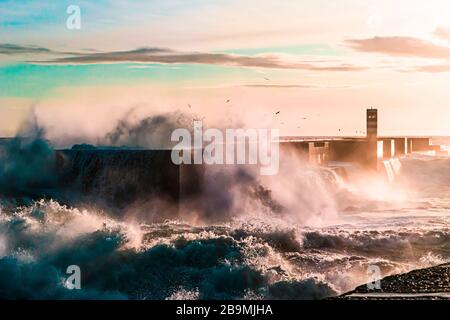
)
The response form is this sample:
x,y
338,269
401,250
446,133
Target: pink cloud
x,y
442,33
401,46
434,68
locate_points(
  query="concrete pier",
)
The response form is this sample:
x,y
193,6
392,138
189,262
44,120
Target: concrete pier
x,y
388,148
400,146
363,151
420,144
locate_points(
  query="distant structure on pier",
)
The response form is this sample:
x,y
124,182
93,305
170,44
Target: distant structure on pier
x,y
367,152
372,124
372,137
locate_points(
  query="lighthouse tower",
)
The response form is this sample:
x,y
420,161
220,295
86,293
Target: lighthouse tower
x,y
372,134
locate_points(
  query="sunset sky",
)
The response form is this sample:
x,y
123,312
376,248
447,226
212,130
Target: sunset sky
x,y
320,63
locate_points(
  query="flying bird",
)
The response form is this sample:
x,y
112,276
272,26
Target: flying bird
x,y
278,112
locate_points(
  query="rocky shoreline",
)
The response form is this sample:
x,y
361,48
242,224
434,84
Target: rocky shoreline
x,y
429,283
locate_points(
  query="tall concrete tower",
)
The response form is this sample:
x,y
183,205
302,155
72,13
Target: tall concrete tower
x,y
372,133
372,124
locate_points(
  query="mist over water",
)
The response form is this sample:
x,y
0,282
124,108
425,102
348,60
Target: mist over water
x,y
305,233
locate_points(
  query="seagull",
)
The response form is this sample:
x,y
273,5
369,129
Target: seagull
x,y
278,112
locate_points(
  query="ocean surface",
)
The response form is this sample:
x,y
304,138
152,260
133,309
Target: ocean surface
x,y
315,236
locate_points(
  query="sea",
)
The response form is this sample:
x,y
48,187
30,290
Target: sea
x,y
308,233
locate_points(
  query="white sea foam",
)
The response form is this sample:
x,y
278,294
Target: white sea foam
x,y
321,245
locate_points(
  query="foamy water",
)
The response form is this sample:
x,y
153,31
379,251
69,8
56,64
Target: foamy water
x,y
321,246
